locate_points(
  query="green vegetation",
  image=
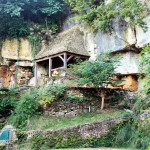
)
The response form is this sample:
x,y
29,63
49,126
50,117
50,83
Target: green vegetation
x,y
51,93
55,123
8,100
99,16
29,103
73,140
32,19
99,73
145,68
18,15
136,131
27,106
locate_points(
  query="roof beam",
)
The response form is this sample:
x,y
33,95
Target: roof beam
x,y
70,58
61,58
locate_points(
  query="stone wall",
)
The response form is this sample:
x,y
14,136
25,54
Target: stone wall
x,y
89,130
76,101
83,100
24,74
71,109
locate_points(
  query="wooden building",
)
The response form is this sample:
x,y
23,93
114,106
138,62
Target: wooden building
x,y
59,53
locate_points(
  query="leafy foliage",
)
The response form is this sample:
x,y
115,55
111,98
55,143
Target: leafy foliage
x,y
99,15
13,28
98,73
17,16
145,68
32,7
8,101
51,93
136,131
26,107
31,102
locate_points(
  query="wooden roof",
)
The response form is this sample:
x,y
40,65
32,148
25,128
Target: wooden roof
x,y
68,41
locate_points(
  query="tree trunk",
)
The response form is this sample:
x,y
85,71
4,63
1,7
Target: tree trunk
x,y
102,94
102,102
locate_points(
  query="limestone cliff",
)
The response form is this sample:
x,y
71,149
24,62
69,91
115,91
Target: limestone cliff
x,y
10,49
123,40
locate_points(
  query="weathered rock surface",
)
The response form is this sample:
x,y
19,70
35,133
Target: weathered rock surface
x,y
32,82
128,63
24,63
11,51
143,38
120,38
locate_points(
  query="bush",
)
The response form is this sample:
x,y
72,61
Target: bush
x,y
21,135
8,100
73,140
30,103
25,109
51,93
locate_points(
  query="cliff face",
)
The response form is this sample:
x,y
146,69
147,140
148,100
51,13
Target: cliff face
x,y
16,67
122,40
10,49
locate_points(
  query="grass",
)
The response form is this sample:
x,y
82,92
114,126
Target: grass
x,y
101,148
28,147
55,123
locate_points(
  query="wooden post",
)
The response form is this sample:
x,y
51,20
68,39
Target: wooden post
x,y
35,73
50,67
65,60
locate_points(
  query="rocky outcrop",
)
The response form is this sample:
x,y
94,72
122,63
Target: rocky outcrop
x,y
17,57
128,63
143,38
122,37
10,49
122,40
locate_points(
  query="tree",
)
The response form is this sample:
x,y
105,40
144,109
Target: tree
x,y
99,73
17,16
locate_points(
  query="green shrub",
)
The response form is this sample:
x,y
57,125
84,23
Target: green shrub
x,y
51,93
74,140
27,106
145,69
8,100
21,135
13,27
31,102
